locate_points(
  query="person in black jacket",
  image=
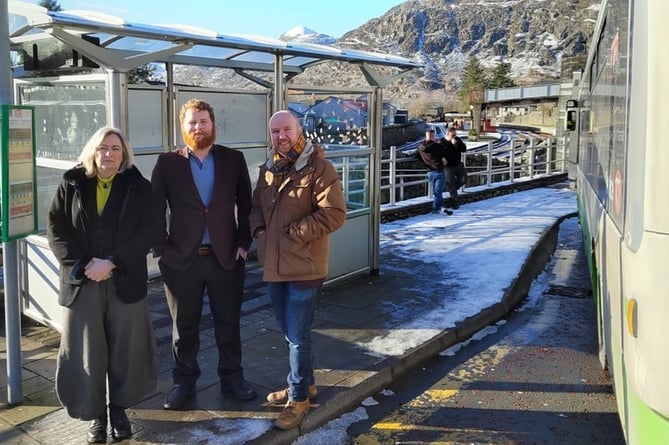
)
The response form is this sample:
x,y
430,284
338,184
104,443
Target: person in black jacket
x,y
100,231
433,155
456,173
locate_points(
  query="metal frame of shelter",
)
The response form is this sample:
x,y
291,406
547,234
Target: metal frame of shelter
x,y
117,47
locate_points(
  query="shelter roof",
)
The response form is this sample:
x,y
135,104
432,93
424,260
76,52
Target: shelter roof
x,y
113,43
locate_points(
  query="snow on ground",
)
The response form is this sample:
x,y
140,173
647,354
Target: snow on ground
x,y
481,248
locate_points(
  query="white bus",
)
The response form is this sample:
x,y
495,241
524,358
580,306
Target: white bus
x,y
622,180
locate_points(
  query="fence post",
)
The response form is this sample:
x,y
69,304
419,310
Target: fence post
x,y
530,168
549,157
392,172
512,159
429,187
464,162
489,174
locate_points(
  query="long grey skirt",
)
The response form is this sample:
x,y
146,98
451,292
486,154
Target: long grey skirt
x,y
107,353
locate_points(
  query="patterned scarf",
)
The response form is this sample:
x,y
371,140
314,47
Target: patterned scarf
x,y
284,162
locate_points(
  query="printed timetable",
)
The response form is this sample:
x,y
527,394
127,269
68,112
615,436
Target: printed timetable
x,y
18,172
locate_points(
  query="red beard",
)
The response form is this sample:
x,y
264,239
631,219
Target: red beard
x,y
198,141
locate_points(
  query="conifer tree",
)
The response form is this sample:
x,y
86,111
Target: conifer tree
x,y
473,78
141,74
500,76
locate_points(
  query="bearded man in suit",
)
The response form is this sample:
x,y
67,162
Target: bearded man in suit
x,y
202,245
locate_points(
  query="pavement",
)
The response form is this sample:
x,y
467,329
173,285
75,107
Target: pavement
x,y
349,313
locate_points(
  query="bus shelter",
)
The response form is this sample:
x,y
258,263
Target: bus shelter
x,y
74,68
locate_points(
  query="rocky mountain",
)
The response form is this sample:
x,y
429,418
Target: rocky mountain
x,y
532,35
306,35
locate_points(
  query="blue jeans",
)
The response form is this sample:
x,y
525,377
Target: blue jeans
x,y
436,180
294,311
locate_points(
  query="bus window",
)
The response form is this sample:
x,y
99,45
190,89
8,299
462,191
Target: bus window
x,y
571,120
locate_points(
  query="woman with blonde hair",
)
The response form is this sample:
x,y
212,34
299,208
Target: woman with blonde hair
x,y
100,230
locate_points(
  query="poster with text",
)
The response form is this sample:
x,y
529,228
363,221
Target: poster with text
x,y
19,196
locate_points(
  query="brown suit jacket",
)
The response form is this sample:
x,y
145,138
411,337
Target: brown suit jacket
x,y
180,233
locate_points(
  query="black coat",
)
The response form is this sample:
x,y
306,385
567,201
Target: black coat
x,y
226,217
74,231
454,151
432,153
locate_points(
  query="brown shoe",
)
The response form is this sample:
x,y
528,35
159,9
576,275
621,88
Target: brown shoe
x,y
292,414
281,397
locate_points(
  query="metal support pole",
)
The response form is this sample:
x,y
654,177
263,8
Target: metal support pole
x,y
117,100
172,118
9,249
279,94
376,119
12,323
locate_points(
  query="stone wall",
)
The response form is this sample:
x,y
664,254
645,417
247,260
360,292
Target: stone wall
x,y
396,135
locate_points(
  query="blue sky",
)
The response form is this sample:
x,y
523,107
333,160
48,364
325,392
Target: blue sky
x,y
260,17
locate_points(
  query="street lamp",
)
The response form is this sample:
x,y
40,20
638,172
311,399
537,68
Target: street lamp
x,y
471,112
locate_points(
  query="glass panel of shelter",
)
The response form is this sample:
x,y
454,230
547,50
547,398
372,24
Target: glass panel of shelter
x,y
339,122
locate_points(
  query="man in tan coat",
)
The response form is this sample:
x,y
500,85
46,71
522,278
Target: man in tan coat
x,y
297,203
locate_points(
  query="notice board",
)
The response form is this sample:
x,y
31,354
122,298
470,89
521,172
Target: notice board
x,y
17,173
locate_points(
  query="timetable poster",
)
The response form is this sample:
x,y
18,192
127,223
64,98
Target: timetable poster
x,y
19,215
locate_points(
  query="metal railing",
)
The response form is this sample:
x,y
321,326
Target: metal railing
x,y
488,164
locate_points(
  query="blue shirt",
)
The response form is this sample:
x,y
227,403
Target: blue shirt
x,y
203,175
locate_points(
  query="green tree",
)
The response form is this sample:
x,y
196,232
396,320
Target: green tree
x,y
473,78
142,74
500,76
51,5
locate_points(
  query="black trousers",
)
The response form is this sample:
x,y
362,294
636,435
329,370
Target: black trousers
x,y
185,292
